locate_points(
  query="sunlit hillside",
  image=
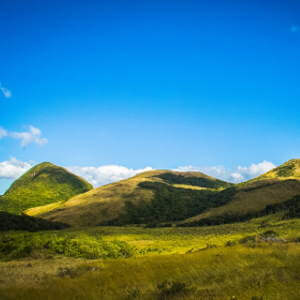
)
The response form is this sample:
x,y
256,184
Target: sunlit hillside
x,y
153,196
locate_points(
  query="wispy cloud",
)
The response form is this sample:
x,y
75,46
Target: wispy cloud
x,y
32,135
5,91
295,28
3,133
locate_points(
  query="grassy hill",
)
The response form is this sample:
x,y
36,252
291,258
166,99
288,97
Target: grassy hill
x,y
257,197
43,184
150,197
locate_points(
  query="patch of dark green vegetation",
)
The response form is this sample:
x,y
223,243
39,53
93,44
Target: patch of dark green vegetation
x,y
193,180
171,204
43,184
22,222
290,208
39,245
286,170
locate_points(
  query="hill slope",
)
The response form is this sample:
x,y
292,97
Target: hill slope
x,y
15,222
256,196
150,197
43,184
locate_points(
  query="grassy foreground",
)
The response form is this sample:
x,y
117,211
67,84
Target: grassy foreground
x,y
255,260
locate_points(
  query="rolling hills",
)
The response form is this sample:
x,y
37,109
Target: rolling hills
x,y
163,197
43,184
150,197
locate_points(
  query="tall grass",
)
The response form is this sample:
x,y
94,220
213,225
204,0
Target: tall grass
x,y
239,272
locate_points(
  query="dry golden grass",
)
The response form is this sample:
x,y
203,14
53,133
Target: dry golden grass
x,y
254,197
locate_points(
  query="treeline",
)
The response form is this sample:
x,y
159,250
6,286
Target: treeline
x,y
22,222
171,204
291,209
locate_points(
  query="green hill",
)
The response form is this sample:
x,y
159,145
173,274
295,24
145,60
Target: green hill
x,y
272,191
150,197
43,184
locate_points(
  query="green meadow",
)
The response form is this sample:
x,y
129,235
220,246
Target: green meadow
x,y
254,260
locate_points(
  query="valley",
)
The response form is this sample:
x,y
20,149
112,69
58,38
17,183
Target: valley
x,y
158,235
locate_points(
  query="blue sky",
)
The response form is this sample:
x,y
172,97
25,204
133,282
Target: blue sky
x,y
164,84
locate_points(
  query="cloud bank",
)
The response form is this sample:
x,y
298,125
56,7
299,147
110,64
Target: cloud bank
x,y
33,135
13,168
238,174
102,175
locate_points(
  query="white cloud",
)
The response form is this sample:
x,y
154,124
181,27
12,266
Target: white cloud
x,y
237,174
105,174
13,168
101,175
255,169
295,28
33,135
6,92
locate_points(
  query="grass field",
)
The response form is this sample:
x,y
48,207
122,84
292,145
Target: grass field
x,y
252,260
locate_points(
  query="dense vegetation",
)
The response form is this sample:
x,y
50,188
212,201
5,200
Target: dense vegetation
x,y
193,179
22,222
171,204
20,245
43,184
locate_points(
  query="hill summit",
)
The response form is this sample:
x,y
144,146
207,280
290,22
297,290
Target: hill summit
x,y
43,184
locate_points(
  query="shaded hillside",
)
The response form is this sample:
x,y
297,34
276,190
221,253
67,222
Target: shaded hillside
x,y
155,196
14,222
193,179
43,184
252,198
